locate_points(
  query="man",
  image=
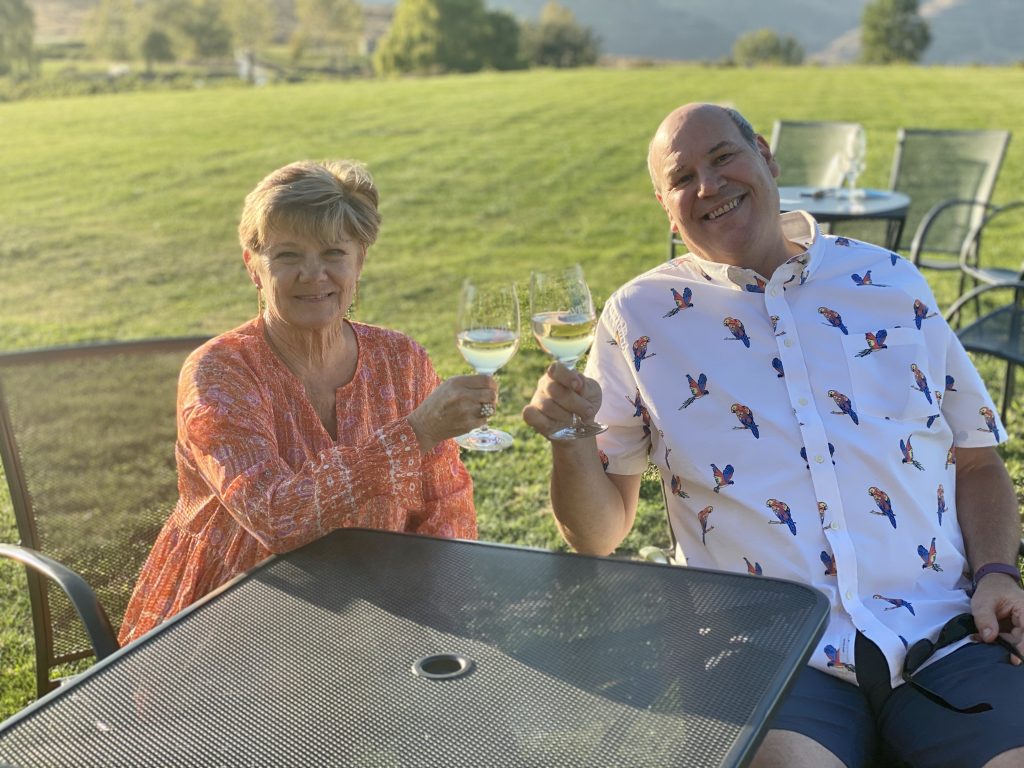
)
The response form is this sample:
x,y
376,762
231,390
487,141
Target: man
x,y
816,420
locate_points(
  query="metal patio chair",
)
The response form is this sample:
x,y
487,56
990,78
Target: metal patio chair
x,y
810,153
949,176
1007,223
996,333
87,441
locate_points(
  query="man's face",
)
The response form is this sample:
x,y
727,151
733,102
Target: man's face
x,y
719,191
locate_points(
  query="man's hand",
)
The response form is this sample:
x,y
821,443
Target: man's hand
x,y
998,608
560,393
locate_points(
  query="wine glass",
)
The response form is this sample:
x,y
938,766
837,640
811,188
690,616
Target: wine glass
x,y
856,156
563,319
487,335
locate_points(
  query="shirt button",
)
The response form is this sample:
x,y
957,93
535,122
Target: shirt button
x,y
802,401
819,458
836,526
774,291
788,342
849,595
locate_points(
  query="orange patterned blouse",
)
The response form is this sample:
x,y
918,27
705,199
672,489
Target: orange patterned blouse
x,y
259,474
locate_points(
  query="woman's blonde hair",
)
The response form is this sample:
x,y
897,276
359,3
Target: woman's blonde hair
x,y
316,200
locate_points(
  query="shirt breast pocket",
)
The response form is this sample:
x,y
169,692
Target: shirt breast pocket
x,y
891,379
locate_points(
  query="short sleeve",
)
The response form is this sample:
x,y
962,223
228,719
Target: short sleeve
x,y
627,441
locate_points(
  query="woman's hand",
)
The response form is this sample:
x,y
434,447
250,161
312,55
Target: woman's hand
x,y
560,393
453,408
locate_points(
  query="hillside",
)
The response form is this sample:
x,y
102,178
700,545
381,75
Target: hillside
x,y
963,31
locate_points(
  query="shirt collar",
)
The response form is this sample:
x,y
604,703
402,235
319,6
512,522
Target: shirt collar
x,y
798,227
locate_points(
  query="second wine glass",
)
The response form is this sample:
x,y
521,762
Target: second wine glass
x,y
563,319
487,334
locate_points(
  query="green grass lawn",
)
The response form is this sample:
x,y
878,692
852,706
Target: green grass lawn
x,y
118,216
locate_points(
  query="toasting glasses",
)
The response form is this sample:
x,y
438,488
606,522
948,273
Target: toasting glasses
x,y
487,334
563,319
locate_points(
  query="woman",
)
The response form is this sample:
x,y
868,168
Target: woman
x,y
300,421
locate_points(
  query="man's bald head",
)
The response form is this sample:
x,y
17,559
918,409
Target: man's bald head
x,y
675,120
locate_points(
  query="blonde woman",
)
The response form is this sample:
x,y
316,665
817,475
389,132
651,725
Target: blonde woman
x,y
302,421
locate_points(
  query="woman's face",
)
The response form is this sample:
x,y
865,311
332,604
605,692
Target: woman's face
x,y
307,284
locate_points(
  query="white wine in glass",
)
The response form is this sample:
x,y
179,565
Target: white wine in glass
x,y
563,320
487,335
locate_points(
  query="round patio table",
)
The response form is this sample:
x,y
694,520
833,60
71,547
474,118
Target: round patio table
x,y
832,205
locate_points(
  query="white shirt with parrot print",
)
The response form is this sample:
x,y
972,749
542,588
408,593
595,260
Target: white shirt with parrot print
x,y
805,428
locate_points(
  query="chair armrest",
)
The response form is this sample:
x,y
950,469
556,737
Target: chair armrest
x,y
954,309
968,253
97,625
921,234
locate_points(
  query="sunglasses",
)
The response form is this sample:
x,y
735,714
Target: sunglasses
x,y
954,630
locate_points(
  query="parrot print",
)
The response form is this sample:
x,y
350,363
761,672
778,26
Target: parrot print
x,y
677,488
746,417
844,405
940,495
928,556
834,319
921,313
705,529
640,351
682,301
835,659
781,510
951,456
896,602
883,503
754,569
990,421
698,389
875,341
777,365
723,477
829,562
739,333
775,326
920,382
866,280
908,454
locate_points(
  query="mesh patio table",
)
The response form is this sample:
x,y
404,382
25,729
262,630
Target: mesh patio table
x,y
367,648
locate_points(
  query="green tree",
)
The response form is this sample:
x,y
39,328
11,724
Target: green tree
x,y
501,48
112,30
252,26
892,31
333,27
765,46
557,40
156,47
197,28
17,29
431,36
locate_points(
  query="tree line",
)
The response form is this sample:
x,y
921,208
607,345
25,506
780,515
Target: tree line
x,y
425,36
891,32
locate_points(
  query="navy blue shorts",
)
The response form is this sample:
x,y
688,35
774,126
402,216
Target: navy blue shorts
x,y
910,729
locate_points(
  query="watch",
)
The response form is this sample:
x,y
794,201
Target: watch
x,y
985,570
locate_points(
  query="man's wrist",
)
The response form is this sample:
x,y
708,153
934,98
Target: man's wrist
x,y
989,568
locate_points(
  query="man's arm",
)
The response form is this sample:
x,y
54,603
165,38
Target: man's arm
x,y
987,512
594,510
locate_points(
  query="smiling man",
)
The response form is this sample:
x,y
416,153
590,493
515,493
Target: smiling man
x,y
847,442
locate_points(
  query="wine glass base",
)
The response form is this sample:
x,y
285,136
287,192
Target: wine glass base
x,y
485,440
578,431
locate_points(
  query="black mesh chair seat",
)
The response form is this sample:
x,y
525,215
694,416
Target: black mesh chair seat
x,y
87,442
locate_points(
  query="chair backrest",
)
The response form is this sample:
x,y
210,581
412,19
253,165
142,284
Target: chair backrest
x,y
87,442
934,166
810,153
